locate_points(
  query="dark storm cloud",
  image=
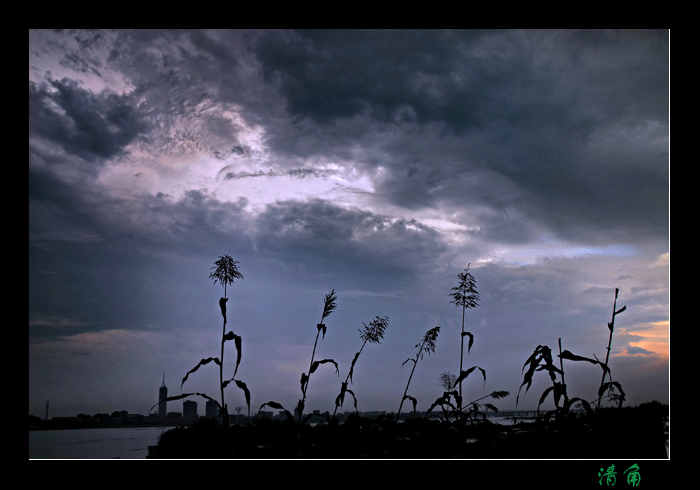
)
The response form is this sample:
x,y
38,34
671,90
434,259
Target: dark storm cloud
x,y
195,217
470,78
351,239
567,127
102,244
97,265
393,75
82,123
576,118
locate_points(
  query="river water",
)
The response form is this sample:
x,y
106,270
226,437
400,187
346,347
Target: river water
x,y
102,443
97,443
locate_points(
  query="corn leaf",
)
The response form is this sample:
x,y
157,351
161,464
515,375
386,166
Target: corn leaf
x,y
277,406
341,396
316,364
243,386
341,399
573,357
611,385
558,390
471,340
352,365
544,396
237,340
271,404
542,353
444,400
201,363
413,400
463,375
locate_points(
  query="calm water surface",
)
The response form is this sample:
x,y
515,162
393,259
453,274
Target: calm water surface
x,y
103,443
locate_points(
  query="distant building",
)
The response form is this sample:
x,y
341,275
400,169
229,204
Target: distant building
x,y
211,409
173,417
189,411
119,416
162,404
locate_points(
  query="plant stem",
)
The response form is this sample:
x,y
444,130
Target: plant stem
x,y
348,376
415,363
461,357
306,385
563,383
404,392
561,363
221,370
611,327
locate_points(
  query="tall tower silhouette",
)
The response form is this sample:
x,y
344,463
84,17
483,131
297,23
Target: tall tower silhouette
x,y
162,395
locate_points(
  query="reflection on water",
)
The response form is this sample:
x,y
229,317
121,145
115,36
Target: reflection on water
x,y
99,443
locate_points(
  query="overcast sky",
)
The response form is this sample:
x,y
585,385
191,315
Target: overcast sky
x,y
379,164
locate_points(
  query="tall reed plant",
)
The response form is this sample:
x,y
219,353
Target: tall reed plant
x,y
225,271
329,305
426,345
466,296
541,360
610,385
372,333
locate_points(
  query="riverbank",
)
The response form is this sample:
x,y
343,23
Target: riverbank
x,y
93,443
626,433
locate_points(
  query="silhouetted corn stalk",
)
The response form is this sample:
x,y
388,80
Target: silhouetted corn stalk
x,y
471,409
329,306
372,333
541,360
225,271
465,295
427,344
611,327
454,410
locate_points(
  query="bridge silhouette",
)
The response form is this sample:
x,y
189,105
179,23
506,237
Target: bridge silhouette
x,y
513,413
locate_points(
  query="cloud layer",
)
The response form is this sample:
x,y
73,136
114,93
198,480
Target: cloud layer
x,y
379,163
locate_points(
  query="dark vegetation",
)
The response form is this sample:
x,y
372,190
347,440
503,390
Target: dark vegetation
x,y
609,433
575,429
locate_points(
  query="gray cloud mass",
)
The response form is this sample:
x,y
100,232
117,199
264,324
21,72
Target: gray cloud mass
x,y
378,163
